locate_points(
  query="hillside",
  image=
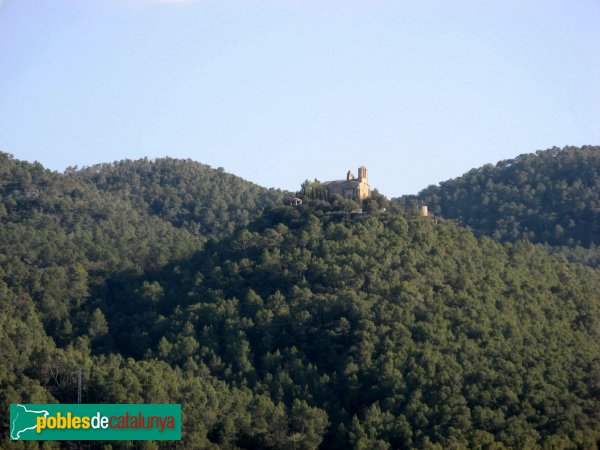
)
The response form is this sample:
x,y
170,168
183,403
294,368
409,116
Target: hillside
x,y
59,236
62,234
187,194
551,197
400,333
309,327
59,240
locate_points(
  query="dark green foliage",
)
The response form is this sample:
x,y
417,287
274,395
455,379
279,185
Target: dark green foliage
x,y
406,333
551,196
185,193
63,242
60,237
309,327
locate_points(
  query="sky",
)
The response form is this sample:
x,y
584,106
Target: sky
x,y
277,92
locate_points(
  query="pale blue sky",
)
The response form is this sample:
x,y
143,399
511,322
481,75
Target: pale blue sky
x,y
280,91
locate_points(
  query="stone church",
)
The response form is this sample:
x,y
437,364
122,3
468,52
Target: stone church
x,y
350,188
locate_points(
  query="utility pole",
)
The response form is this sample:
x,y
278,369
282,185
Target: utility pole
x,y
79,386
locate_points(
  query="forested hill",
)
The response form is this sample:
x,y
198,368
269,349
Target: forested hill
x,y
310,327
375,332
59,237
551,196
188,194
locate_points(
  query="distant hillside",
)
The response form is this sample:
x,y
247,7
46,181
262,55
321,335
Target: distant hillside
x,y
308,327
377,332
59,240
551,196
59,235
188,194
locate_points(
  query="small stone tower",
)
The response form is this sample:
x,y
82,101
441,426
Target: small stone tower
x,y
363,186
362,174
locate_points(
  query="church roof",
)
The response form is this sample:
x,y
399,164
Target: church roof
x,y
342,183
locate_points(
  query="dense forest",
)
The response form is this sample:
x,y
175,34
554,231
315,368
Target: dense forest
x,y
185,193
551,197
280,327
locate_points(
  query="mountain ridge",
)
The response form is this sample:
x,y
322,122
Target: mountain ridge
x,y
277,326
550,196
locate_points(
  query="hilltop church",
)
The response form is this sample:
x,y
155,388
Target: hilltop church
x,y
351,188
